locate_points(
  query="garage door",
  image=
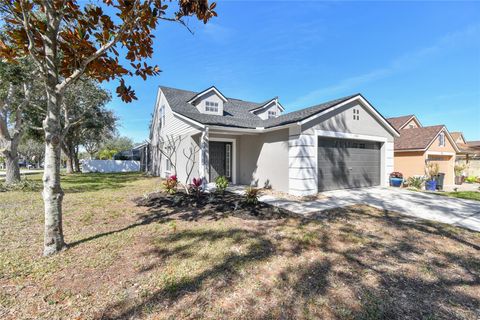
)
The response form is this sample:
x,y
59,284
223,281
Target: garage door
x,y
346,164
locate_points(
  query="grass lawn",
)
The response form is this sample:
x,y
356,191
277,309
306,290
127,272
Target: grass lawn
x,y
127,261
470,195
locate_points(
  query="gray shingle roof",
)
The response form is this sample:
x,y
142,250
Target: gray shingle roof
x,y
237,112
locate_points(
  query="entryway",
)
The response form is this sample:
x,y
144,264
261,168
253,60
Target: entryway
x,y
220,154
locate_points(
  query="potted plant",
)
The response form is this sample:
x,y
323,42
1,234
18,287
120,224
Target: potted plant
x,y
431,169
459,168
396,179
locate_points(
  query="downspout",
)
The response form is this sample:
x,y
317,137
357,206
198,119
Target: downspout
x,y
204,157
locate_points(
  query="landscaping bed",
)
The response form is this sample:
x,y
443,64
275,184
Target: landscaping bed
x,y
211,205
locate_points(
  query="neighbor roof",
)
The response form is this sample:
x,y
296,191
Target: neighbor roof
x,y
237,112
456,135
417,138
398,122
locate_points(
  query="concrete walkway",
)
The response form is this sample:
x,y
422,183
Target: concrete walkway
x,y
463,213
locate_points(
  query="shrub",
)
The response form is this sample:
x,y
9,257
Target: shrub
x,y
432,169
459,168
396,175
196,186
221,183
471,179
171,184
251,195
23,185
416,182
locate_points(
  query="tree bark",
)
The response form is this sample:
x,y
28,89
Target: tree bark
x,y
52,191
76,160
12,174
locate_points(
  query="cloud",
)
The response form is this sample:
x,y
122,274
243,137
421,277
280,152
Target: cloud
x,y
399,64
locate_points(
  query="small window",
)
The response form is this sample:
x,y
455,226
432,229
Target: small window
x,y
162,116
272,114
211,106
411,126
441,140
356,113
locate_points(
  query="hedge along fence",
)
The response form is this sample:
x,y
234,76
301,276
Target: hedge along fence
x,y
108,166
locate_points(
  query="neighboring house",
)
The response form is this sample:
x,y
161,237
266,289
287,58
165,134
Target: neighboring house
x,y
469,154
344,143
418,145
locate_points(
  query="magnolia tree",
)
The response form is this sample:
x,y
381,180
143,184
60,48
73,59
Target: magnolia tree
x,y
65,41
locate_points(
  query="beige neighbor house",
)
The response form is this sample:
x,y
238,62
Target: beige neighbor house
x,y
469,154
419,145
344,143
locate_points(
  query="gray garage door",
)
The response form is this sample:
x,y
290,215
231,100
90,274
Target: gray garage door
x,y
346,164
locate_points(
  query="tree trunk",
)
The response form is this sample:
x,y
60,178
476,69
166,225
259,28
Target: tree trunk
x,y
76,160
52,197
52,191
12,169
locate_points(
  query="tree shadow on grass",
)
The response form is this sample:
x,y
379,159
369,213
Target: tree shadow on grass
x,y
396,274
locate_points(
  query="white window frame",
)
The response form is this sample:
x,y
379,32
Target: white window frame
x,y
213,106
271,114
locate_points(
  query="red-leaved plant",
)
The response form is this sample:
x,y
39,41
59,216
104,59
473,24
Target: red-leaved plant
x,y
196,186
171,184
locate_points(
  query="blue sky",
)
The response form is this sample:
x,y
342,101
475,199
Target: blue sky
x,y
407,57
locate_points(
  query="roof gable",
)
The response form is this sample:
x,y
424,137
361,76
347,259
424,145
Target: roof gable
x,y
458,137
421,138
206,91
400,122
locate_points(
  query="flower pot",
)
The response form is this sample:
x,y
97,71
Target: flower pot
x,y
396,182
431,185
458,180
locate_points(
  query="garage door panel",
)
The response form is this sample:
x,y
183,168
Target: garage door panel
x,y
347,163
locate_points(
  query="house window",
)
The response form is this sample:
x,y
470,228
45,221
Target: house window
x,y
356,114
272,114
211,106
411,126
162,116
441,140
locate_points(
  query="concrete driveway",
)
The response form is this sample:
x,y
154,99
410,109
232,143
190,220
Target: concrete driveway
x,y
463,213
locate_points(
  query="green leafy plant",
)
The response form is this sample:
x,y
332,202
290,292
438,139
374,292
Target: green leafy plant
x,y
471,179
251,195
221,183
416,182
170,185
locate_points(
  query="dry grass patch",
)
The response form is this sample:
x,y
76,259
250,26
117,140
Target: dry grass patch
x,y
217,260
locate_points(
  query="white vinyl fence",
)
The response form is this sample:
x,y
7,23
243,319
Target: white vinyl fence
x,y
110,166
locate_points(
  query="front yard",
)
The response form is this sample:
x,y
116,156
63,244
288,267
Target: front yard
x,y
158,261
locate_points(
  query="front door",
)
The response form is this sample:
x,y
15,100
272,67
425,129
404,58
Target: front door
x,y
220,154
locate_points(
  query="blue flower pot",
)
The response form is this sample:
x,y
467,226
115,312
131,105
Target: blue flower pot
x,y
396,182
431,185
